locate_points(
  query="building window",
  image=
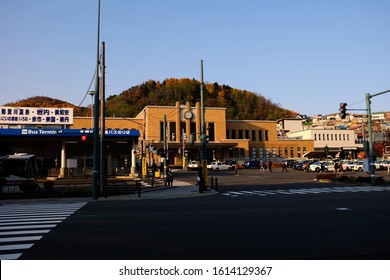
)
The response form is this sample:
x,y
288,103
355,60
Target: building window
x,y
304,150
234,134
183,127
266,135
261,154
240,134
253,135
273,152
285,151
254,154
315,137
193,127
161,131
299,152
260,135
211,132
280,151
242,153
247,134
227,134
235,152
267,152
343,137
172,131
292,151
347,137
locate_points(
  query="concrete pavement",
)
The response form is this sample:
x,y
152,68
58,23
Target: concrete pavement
x,y
179,190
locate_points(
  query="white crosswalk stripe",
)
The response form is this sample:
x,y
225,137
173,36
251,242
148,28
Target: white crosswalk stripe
x,y
21,225
306,191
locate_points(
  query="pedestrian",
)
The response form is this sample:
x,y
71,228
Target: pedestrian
x,y
284,166
322,170
336,167
262,166
200,179
269,166
236,169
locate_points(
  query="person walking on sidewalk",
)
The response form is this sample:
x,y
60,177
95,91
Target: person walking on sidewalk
x,y
236,169
269,166
262,165
284,166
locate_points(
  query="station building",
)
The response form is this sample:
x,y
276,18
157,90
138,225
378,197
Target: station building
x,y
64,144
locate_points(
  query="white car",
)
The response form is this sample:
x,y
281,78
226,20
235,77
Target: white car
x,y
358,166
329,166
315,166
218,165
348,165
192,165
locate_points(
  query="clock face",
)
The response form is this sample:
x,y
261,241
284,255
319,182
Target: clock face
x,y
188,115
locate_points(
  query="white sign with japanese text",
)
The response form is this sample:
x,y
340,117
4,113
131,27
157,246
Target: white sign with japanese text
x,y
34,115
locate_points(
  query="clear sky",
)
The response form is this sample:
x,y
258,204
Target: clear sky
x,y
305,55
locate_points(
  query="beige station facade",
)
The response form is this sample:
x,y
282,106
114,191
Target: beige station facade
x,y
239,140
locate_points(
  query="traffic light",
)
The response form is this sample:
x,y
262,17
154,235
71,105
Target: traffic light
x,y
343,110
84,138
204,138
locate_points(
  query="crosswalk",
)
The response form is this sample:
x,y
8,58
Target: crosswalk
x,y
21,225
306,191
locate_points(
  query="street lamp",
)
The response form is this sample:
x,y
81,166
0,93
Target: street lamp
x,y
91,93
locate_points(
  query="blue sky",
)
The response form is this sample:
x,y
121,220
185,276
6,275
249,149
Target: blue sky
x,y
307,56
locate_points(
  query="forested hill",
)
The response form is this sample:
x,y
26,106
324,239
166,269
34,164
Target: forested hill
x,y
44,101
239,104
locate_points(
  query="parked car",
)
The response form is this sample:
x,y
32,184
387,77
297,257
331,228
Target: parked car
x,y
329,166
218,165
232,163
291,162
316,166
192,165
358,166
385,164
252,164
348,165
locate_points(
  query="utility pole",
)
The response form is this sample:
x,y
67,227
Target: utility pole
x,y
165,149
203,155
143,167
370,138
103,167
95,183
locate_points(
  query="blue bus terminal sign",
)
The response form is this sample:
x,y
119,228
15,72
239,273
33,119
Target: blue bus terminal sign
x,y
58,132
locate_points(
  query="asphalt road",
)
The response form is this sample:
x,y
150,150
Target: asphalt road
x,y
255,216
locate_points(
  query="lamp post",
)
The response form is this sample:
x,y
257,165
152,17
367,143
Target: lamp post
x,y
91,93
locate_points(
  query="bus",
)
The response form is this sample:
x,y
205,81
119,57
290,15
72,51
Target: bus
x,y
18,172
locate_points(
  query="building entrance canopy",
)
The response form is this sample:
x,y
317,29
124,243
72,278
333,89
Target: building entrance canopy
x,y
66,133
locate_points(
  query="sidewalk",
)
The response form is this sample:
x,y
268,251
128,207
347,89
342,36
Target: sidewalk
x,y
179,190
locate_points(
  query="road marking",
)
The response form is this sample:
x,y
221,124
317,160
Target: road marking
x,y
306,191
21,225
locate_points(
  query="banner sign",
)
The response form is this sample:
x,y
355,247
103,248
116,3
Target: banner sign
x,y
55,132
35,115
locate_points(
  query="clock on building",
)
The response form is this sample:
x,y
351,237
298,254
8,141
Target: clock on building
x,y
188,115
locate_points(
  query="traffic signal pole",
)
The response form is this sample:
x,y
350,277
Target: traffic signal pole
x,y
370,138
